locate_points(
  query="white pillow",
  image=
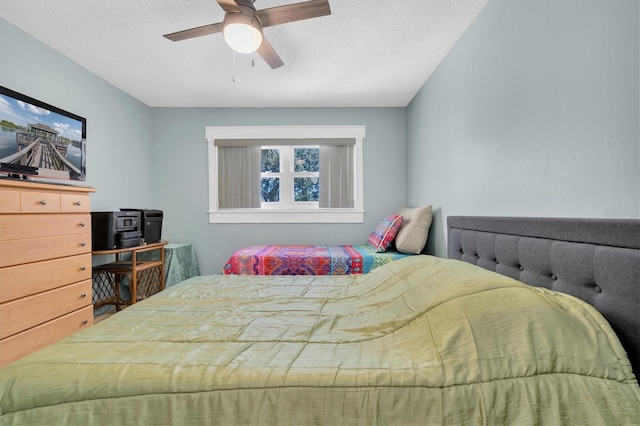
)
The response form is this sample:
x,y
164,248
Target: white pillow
x,y
412,237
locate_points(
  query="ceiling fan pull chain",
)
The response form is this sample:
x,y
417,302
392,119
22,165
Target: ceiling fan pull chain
x,y
233,77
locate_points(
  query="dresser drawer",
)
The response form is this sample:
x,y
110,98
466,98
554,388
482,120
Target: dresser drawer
x,y
17,252
25,313
70,203
21,344
39,202
23,226
25,280
9,201
29,197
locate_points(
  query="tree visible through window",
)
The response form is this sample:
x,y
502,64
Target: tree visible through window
x,y
270,185
306,168
290,174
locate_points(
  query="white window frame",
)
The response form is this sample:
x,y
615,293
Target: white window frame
x,y
286,215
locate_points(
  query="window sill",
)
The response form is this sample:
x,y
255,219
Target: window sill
x,y
287,216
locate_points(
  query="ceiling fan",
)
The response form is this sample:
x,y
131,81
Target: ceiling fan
x,y
242,25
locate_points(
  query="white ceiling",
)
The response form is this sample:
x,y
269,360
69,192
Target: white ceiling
x,y
366,53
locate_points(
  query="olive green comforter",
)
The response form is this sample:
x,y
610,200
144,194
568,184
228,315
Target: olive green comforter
x,y
419,341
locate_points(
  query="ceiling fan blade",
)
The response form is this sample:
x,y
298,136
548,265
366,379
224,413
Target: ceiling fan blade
x,y
293,12
228,5
269,55
195,32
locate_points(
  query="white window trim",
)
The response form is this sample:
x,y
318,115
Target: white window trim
x,y
320,215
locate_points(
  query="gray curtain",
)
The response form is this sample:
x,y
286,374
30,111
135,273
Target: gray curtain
x,y
239,177
336,176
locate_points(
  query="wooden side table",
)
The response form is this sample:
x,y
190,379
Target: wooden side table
x,y
146,277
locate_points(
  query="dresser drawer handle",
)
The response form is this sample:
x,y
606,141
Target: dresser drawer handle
x,y
82,224
83,268
83,295
43,202
85,322
77,203
83,244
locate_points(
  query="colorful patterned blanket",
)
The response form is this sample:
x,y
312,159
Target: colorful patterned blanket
x,y
306,260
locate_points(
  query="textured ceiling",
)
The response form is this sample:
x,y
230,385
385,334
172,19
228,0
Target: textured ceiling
x,y
366,53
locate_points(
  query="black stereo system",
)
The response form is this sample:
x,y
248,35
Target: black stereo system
x,y
125,228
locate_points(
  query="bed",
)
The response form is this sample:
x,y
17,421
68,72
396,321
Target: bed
x,y
421,340
307,260
394,237
597,261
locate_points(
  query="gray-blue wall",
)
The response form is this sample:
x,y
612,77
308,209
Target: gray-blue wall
x,y
534,112
181,184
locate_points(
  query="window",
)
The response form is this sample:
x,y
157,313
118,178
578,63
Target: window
x,y
290,177
291,174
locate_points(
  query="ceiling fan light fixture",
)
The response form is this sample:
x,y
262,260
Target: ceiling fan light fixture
x,y
242,25
242,33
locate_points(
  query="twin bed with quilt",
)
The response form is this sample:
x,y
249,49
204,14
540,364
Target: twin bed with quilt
x,y
307,260
396,236
418,341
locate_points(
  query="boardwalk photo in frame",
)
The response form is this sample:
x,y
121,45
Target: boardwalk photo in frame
x,y
38,139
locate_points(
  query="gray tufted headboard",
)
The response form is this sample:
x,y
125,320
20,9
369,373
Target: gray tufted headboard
x,y
596,260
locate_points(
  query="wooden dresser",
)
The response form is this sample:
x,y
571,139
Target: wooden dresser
x,y
45,265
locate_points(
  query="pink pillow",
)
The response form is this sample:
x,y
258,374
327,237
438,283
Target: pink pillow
x,y
382,237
